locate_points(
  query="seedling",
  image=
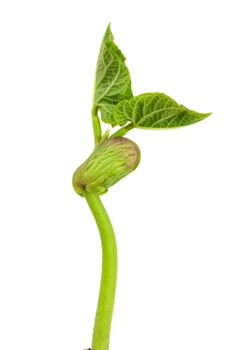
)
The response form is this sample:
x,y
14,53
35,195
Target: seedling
x,y
115,156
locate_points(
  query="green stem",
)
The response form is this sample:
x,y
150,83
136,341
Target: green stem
x,y
123,131
96,125
101,334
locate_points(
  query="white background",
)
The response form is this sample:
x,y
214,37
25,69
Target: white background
x,y
172,216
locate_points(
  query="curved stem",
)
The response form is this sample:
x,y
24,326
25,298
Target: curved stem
x,y
101,333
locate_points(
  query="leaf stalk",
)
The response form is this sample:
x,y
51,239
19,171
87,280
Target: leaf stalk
x,y
122,131
96,125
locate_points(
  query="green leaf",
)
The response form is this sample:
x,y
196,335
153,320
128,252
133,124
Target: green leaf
x,y
112,81
155,111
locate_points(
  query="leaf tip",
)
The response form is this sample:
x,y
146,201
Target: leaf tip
x,y
108,33
205,115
